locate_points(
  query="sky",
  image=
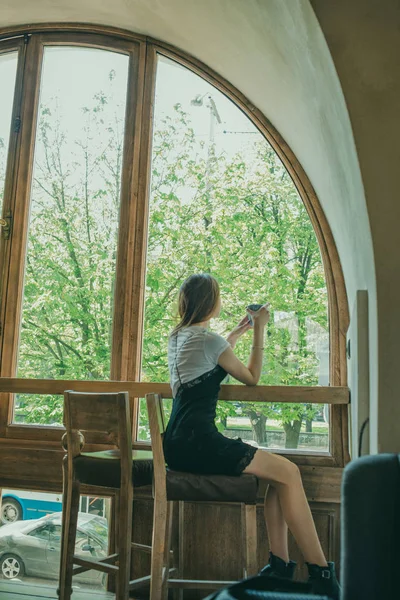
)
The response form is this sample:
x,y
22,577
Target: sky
x,y
75,75
177,84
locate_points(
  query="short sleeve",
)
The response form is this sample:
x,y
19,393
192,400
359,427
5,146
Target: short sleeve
x,y
214,346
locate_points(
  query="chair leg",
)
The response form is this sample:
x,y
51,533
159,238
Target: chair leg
x,y
61,575
182,549
250,543
158,547
71,497
63,513
124,542
177,546
116,517
243,540
113,520
167,548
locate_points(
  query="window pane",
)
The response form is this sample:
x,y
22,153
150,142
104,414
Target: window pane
x,y
73,227
222,202
8,70
31,526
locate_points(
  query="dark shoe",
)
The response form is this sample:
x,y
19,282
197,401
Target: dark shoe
x,y
278,568
323,580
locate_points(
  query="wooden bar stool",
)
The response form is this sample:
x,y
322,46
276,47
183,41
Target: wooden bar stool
x,y
118,470
173,486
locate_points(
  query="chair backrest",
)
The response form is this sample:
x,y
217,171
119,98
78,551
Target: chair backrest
x,y
87,413
157,428
370,528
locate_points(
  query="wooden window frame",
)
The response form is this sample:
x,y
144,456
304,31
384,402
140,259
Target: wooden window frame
x,y
20,201
131,259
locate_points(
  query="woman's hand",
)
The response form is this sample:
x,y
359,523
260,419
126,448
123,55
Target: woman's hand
x,y
239,330
260,316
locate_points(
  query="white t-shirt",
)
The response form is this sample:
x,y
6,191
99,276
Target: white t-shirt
x,y
193,351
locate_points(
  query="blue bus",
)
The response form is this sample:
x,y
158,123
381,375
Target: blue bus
x,y
20,505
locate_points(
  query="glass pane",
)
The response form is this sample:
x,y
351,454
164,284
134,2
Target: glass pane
x,y
222,202
8,71
31,526
264,426
73,226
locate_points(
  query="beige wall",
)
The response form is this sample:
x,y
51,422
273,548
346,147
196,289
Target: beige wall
x,y
364,39
275,52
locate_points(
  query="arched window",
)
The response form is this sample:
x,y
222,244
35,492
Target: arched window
x,y
222,202
125,166
129,167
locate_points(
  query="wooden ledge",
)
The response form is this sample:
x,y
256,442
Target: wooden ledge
x,y
232,393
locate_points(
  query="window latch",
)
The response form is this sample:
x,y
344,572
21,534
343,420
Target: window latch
x,y
5,225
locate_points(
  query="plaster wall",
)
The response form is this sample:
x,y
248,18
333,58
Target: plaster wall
x,y
364,40
275,53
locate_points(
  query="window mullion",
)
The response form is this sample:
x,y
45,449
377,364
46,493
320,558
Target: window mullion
x,y
124,299
139,249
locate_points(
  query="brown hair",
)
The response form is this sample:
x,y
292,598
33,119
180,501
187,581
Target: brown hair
x,y
198,297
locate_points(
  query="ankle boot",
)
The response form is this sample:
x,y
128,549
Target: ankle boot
x,y
278,568
323,580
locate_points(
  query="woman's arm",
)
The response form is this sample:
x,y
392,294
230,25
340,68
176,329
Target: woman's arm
x,y
249,375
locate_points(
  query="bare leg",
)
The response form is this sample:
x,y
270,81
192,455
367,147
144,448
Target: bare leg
x,y
276,525
285,478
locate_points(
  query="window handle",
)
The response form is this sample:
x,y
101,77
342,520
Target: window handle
x,y
5,224
52,549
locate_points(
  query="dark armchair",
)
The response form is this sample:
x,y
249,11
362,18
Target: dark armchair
x,y
370,556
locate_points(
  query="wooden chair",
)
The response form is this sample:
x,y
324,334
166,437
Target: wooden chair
x,y
171,487
117,470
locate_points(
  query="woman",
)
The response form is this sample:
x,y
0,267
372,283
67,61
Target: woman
x,y
198,361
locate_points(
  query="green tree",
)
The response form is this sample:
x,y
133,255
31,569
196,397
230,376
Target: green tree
x,y
238,217
71,256
261,239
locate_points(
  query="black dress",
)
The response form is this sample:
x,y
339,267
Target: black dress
x,y
192,442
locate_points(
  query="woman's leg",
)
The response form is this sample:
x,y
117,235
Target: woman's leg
x,y
276,525
285,478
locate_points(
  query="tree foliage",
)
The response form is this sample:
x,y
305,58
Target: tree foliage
x,y
238,217
245,223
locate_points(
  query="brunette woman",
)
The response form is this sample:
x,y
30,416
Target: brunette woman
x,y
199,360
